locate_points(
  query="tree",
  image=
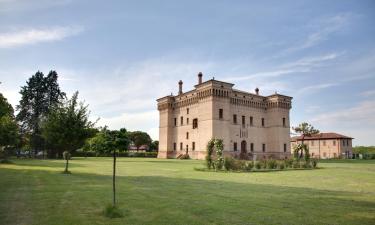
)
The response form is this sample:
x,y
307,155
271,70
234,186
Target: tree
x,y
140,138
67,127
306,130
107,141
8,127
40,95
154,146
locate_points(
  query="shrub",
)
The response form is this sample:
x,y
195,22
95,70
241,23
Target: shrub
x,y
296,164
249,165
289,163
314,163
228,163
305,164
258,165
185,156
240,165
112,212
271,164
281,165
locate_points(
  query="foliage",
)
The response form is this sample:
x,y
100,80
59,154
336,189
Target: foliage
x,y
306,130
281,165
209,151
258,165
314,163
67,126
271,164
185,156
154,146
139,138
219,146
296,164
288,163
111,211
9,136
38,97
364,150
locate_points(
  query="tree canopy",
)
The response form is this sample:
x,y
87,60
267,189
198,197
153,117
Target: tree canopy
x,y
39,95
139,138
67,126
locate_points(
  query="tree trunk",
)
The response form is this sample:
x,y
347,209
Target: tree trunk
x,y
66,165
114,178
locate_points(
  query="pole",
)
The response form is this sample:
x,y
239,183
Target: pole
x,y
114,178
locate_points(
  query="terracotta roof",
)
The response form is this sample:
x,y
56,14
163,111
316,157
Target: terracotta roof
x,y
322,136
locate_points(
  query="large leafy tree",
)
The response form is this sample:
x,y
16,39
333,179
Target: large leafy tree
x,y
8,126
38,97
67,127
139,138
305,130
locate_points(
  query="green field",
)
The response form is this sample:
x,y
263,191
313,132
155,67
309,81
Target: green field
x,y
154,191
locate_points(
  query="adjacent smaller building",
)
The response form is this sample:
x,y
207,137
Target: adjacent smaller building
x,y
326,145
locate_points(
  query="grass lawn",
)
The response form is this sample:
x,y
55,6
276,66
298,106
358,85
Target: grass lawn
x,y
154,191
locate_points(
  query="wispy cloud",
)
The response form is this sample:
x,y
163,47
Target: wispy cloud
x,y
363,113
321,30
34,36
368,93
299,66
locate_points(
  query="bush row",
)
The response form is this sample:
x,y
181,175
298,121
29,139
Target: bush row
x,y
231,164
119,154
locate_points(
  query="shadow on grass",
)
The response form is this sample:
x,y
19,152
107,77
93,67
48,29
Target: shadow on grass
x,y
171,200
54,163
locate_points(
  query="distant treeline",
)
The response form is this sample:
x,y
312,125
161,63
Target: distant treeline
x,y
364,152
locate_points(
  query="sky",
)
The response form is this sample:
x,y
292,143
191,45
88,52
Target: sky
x,y
123,55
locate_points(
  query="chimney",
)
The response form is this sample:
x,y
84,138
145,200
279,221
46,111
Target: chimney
x,y
200,75
257,91
180,87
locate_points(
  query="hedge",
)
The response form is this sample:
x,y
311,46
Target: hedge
x,y
119,154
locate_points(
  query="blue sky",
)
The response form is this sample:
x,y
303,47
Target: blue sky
x,y
123,55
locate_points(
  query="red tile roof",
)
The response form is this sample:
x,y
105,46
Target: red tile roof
x,y
322,136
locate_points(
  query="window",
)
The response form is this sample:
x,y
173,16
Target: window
x,y
252,147
181,146
263,147
284,147
234,118
312,143
347,142
174,146
235,146
324,143
187,147
187,120
220,113
334,155
195,123
324,154
284,122
193,146
251,121
175,121
262,122
187,135
334,143
182,120
187,111
343,142
243,121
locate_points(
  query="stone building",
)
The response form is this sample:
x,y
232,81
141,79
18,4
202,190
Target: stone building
x,y
326,145
251,125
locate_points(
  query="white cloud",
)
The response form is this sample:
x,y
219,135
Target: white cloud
x,y
33,36
323,28
303,65
362,113
368,93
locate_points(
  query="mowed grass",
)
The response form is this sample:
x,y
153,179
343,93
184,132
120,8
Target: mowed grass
x,y
155,191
